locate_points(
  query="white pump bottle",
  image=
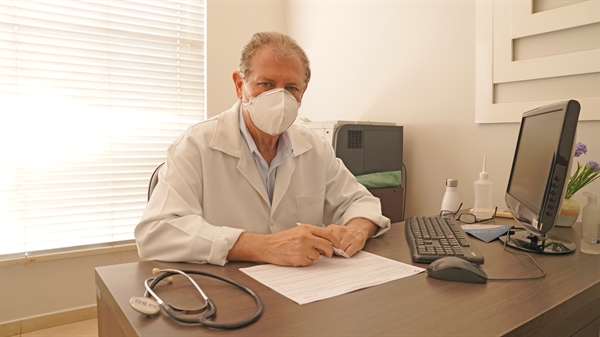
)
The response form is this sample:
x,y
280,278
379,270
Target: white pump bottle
x,y
483,207
590,226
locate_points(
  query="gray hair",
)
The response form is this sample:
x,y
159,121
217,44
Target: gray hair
x,y
283,46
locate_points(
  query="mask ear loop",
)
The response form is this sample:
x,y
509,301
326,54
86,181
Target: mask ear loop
x,y
245,91
247,105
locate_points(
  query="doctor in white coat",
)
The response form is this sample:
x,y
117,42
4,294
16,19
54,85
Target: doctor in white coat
x,y
236,186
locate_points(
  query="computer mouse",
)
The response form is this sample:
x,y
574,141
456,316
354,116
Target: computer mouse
x,y
451,268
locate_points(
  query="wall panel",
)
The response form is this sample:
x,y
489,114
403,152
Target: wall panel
x,y
532,53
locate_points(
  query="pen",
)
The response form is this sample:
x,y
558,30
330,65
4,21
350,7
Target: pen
x,y
336,250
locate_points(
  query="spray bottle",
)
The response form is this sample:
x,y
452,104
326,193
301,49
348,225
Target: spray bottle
x,y
590,228
483,207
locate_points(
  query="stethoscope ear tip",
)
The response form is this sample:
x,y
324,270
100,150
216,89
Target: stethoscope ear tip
x,y
145,305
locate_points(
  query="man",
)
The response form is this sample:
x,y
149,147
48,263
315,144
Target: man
x,y
247,185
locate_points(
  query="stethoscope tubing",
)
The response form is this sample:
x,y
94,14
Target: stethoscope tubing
x,y
209,310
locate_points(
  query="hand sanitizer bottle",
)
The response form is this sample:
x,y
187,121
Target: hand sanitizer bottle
x,y
590,228
451,200
483,207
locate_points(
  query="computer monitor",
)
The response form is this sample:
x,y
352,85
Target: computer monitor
x,y
539,176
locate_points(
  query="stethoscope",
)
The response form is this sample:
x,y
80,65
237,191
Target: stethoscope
x,y
150,304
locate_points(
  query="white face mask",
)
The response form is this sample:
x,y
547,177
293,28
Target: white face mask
x,y
273,111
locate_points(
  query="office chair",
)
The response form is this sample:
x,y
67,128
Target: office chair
x,y
153,180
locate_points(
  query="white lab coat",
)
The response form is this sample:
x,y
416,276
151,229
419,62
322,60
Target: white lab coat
x,y
210,191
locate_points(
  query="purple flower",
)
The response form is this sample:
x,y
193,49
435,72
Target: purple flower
x,y
580,149
584,175
594,165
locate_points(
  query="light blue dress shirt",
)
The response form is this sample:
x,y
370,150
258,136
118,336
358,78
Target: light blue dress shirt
x,y
267,173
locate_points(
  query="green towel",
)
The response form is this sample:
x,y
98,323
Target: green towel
x,y
381,179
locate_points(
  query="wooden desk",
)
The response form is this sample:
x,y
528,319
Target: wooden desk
x,y
566,302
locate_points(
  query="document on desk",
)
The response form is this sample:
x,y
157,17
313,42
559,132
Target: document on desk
x,y
329,277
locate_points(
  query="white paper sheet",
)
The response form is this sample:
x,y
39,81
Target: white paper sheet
x,y
329,277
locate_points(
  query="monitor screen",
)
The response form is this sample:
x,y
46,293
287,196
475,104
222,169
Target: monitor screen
x,y
541,165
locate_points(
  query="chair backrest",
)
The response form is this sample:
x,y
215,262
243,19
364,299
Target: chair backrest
x,y
153,180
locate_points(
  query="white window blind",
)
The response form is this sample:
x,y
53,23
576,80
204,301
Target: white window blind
x,y
92,93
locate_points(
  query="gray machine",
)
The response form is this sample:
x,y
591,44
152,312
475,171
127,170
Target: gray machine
x,y
367,148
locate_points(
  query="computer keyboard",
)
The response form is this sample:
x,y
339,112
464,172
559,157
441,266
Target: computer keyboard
x,y
431,238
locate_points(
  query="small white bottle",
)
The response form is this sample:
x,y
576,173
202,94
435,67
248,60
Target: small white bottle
x,y
483,206
451,200
590,228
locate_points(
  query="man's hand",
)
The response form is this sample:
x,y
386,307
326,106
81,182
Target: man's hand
x,y
354,234
298,246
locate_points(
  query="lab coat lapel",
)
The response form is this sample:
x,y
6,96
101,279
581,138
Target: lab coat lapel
x,y
247,167
282,182
286,169
227,139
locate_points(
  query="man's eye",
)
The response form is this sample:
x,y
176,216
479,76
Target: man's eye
x,y
291,89
264,84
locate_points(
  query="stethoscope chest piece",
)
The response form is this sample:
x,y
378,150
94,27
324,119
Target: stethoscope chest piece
x,y
145,305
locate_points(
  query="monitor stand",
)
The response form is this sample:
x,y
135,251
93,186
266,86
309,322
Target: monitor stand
x,y
543,244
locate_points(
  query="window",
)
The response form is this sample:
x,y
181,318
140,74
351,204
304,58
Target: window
x,y
92,93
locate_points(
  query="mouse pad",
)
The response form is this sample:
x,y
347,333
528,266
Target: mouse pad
x,y
487,233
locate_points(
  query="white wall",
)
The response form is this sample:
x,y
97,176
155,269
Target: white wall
x,y
413,63
407,62
47,287
229,27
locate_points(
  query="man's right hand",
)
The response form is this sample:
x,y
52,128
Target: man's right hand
x,y
298,246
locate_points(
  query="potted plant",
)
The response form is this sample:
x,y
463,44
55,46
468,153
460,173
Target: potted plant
x,y
583,176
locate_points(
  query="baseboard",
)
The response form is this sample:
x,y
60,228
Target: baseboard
x,y
16,328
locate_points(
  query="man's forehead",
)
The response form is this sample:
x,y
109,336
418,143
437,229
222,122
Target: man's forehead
x,y
266,60
276,73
